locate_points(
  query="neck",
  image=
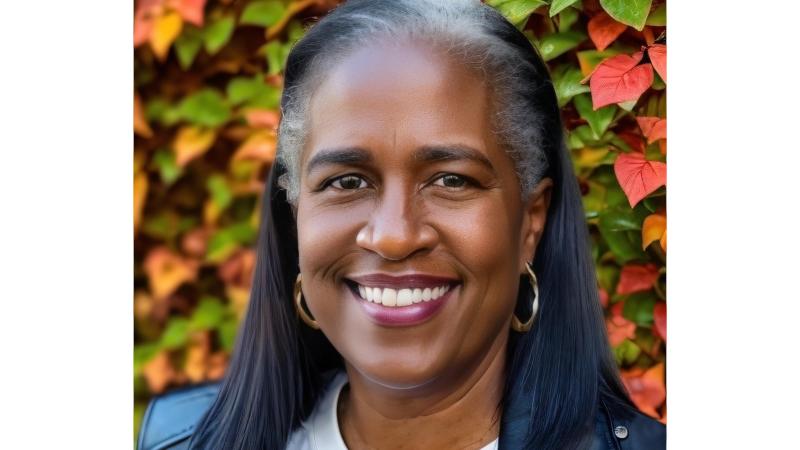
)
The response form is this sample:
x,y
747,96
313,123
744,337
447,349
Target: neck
x,y
459,410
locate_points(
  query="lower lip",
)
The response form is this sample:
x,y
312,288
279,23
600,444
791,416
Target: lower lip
x,y
403,316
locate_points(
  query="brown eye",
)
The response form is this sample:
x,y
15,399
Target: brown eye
x,y
348,182
451,181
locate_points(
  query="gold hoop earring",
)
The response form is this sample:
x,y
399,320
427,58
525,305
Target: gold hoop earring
x,y
298,304
516,324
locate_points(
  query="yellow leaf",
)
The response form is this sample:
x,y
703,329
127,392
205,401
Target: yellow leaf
x,y
139,196
211,213
191,142
653,229
140,125
663,241
590,156
166,29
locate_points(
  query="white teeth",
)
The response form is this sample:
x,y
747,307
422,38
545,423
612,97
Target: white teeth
x,y
401,297
389,297
404,297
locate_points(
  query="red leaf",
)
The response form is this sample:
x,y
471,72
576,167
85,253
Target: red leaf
x,y
639,177
603,30
660,320
633,140
637,278
619,329
603,297
190,10
658,56
654,128
620,79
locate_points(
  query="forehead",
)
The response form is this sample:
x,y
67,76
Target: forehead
x,y
403,93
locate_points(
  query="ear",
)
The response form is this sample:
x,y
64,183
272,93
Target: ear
x,y
533,220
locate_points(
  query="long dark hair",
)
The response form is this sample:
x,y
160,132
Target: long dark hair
x,y
557,373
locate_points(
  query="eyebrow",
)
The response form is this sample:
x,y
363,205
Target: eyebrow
x,y
428,153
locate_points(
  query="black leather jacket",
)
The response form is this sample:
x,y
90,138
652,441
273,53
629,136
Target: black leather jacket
x,y
170,420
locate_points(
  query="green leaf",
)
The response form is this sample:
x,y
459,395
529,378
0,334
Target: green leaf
x,y
567,83
209,314
556,44
626,352
598,120
639,308
227,240
188,45
276,56
158,109
227,334
262,13
205,107
559,5
589,59
164,160
594,202
629,12
218,33
176,334
516,11
620,228
658,18
142,354
608,276
241,89
221,194
567,19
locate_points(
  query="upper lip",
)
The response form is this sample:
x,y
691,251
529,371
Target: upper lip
x,y
415,280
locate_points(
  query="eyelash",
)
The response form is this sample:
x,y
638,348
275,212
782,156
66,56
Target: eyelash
x,y
468,182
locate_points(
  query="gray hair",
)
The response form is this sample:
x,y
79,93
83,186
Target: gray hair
x,y
467,30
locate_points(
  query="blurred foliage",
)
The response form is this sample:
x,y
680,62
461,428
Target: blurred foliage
x,y
206,95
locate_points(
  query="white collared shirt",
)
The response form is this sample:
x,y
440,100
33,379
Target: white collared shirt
x,y
321,430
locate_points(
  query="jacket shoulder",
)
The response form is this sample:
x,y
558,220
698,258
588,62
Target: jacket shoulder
x,y
632,430
170,418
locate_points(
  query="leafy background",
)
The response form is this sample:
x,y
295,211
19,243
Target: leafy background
x,y
207,88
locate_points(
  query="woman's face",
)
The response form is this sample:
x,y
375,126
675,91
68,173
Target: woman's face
x,y
406,192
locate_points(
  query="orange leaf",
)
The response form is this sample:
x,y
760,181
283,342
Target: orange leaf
x,y
262,118
637,278
139,196
647,390
620,79
660,320
166,271
146,13
639,177
159,372
191,142
603,30
658,56
653,229
653,128
166,29
197,354
663,241
260,146
140,125
619,329
190,10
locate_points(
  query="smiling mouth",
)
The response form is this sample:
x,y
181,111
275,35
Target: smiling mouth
x,y
398,297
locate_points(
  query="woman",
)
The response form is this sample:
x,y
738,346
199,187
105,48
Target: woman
x,y
423,275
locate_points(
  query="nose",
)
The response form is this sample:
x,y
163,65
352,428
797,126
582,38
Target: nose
x,y
396,229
